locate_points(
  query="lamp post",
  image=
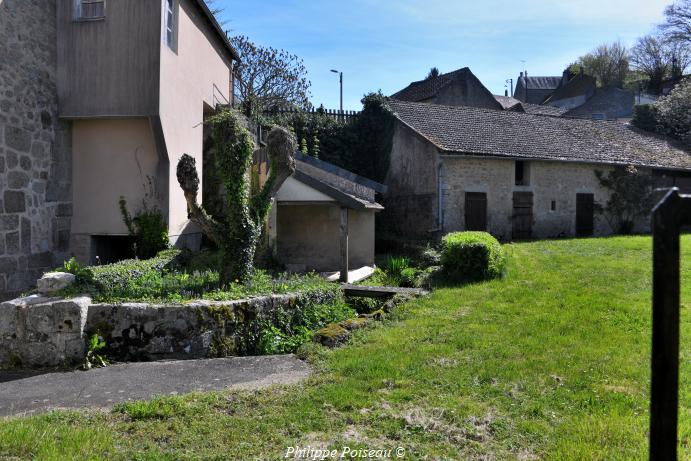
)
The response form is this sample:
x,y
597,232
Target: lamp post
x,y
340,79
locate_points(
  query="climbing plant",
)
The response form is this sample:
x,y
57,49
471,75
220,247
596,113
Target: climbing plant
x,y
237,230
631,196
148,229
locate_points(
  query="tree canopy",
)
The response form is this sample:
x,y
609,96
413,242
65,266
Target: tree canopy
x,y
609,63
267,77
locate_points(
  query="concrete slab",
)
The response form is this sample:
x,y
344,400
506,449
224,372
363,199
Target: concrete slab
x,y
354,276
29,392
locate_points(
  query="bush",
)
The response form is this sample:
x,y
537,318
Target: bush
x,y
472,256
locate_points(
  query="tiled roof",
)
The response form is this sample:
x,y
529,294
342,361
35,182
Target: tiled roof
x,y
468,130
507,102
427,88
538,109
578,85
610,101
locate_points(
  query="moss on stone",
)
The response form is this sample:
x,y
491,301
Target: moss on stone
x,y
355,324
331,335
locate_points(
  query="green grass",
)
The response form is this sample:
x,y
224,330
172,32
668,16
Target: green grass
x,y
551,362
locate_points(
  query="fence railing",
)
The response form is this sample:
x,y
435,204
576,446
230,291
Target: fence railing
x,y
337,114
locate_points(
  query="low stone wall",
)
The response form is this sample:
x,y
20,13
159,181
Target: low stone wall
x,y
42,332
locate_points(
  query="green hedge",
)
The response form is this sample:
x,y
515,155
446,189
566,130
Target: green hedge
x,y
472,256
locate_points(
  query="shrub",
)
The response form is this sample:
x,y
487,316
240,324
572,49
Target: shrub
x,y
472,256
148,228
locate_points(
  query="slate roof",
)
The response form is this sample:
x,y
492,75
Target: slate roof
x,y
538,109
472,131
541,83
610,101
425,89
507,102
578,85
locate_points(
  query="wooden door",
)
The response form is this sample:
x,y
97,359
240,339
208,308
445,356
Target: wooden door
x,y
476,211
585,219
522,215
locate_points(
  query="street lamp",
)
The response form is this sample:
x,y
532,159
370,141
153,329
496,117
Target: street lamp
x,y
341,82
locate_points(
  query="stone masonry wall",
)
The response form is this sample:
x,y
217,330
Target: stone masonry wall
x,y
549,181
35,161
39,331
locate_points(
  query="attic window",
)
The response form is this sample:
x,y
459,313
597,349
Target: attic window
x,y
521,173
89,9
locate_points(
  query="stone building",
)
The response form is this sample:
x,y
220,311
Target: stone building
x,y
458,88
534,90
515,175
98,100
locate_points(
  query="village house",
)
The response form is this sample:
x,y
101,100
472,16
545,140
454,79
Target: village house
x,y
515,175
458,88
534,90
99,100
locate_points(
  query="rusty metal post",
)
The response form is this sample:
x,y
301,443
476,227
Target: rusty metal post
x,y
673,211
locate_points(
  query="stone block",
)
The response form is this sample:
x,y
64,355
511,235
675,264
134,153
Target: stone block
x,y
2,164
17,180
40,320
8,320
18,139
40,260
8,264
70,315
26,237
25,163
54,281
38,354
12,159
9,222
12,243
15,201
63,210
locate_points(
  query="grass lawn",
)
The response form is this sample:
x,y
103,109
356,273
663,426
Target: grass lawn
x,y
550,363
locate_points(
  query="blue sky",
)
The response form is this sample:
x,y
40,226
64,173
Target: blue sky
x,y
386,44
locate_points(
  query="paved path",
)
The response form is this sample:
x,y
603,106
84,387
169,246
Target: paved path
x,y
30,392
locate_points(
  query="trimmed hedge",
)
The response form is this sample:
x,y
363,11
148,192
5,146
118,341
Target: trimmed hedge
x,y
472,256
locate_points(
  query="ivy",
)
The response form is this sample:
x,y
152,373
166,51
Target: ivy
x,y
631,197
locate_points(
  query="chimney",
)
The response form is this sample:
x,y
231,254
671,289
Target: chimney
x,y
526,74
506,92
521,75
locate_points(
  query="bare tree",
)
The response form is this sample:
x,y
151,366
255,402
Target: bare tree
x,y
659,59
268,77
677,25
609,63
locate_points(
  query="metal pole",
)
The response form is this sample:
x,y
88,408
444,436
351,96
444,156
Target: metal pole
x,y
673,211
341,80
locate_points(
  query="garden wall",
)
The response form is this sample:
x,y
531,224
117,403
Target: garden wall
x,y
38,331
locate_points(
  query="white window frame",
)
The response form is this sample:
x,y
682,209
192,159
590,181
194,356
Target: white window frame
x,y
170,24
78,15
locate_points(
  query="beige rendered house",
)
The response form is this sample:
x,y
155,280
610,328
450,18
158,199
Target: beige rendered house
x,y
99,99
135,78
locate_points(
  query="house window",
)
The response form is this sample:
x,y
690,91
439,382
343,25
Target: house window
x,y
170,26
521,173
89,9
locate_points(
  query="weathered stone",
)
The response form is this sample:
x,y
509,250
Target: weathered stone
x,y
12,159
26,236
54,281
8,264
64,210
9,222
332,335
2,164
25,163
18,139
17,180
15,201
8,321
12,243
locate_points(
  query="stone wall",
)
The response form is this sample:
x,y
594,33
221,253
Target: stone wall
x,y
549,181
35,160
41,331
410,202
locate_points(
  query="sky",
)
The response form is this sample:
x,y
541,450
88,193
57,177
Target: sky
x,y
386,44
